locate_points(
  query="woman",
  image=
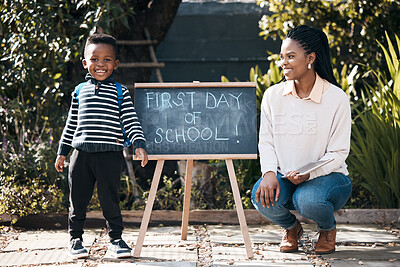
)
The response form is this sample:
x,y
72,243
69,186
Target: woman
x,y
304,119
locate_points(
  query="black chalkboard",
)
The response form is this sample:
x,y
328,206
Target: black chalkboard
x,y
202,118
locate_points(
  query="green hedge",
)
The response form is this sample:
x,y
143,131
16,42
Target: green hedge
x,y
39,41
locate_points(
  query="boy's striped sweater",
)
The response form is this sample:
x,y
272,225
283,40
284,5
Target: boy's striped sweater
x,y
94,123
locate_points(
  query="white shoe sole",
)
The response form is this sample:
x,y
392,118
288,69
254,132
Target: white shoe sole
x,y
120,255
79,256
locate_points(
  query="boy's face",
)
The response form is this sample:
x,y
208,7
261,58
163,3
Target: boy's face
x,y
100,60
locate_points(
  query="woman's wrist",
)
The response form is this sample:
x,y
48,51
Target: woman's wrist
x,y
268,173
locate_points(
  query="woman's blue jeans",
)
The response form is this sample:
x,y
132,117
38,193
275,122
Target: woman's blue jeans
x,y
316,199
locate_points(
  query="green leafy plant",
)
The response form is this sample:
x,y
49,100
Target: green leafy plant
x,y
221,196
39,42
352,26
24,187
376,134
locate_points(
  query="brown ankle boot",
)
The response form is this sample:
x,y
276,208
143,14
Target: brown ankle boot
x,y
290,238
326,242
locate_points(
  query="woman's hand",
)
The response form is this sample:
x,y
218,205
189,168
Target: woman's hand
x,y
295,178
269,190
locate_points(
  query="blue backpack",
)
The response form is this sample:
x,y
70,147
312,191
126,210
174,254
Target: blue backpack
x,y
127,142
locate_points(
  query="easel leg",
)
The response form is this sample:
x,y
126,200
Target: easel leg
x,y
148,209
239,208
186,202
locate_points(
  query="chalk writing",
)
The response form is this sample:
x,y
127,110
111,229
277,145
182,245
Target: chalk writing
x,y
198,120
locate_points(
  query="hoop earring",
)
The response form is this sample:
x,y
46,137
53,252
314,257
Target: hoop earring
x,y
309,66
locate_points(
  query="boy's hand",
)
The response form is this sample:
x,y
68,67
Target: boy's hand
x,y
140,153
60,163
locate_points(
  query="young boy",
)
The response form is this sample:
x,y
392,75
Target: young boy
x,y
93,128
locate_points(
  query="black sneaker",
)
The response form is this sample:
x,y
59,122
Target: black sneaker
x,y
76,250
119,249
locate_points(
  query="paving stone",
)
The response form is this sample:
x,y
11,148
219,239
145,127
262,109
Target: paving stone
x,y
163,253
163,247
364,233
228,253
252,228
166,235
239,253
365,253
231,234
33,240
171,253
355,233
130,232
348,263
278,263
35,257
171,230
272,252
272,234
151,264
161,239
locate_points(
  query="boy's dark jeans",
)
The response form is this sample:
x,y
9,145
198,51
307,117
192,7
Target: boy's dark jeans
x,y
84,171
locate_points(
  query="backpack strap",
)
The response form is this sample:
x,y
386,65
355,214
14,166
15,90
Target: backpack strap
x,y
78,90
120,97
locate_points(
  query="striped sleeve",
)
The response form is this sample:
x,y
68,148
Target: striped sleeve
x,y
65,144
131,122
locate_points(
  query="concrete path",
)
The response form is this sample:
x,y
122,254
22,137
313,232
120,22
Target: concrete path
x,y
207,245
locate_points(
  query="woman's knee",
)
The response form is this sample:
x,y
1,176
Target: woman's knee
x,y
311,209
254,190
277,207
254,200
270,212
326,191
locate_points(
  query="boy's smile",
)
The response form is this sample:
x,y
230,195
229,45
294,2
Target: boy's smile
x,y
100,60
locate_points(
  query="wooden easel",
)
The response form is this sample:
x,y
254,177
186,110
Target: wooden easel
x,y
188,187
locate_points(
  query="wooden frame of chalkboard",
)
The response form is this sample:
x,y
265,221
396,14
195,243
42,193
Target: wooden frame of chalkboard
x,y
220,121
198,120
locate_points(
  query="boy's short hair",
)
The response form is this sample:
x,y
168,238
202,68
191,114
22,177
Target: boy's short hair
x,y
101,38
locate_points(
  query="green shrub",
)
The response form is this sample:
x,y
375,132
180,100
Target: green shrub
x,y
375,146
352,26
39,41
27,184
